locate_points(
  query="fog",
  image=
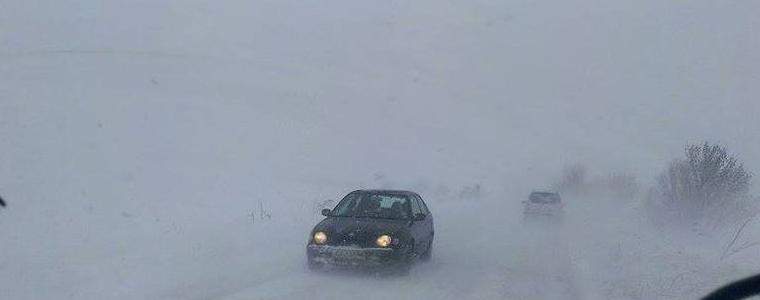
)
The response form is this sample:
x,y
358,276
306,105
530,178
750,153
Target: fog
x,y
142,142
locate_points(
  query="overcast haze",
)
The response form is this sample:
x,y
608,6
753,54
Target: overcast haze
x,y
125,125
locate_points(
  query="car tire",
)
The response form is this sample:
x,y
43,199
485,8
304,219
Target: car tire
x,y
425,257
313,266
402,269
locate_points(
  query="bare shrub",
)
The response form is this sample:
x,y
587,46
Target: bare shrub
x,y
573,179
737,244
622,185
707,186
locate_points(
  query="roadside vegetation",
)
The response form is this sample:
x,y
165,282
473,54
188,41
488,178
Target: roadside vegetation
x,y
707,189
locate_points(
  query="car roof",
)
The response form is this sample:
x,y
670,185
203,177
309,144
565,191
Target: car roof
x,y
383,191
545,192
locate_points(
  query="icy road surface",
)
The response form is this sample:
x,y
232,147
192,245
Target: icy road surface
x,y
475,257
455,274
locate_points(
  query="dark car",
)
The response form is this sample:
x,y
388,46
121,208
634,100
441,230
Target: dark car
x,y
543,204
373,229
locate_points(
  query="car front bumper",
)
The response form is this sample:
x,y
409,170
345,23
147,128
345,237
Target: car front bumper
x,y
354,257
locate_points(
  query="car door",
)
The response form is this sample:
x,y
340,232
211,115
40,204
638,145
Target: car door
x,y
418,226
429,231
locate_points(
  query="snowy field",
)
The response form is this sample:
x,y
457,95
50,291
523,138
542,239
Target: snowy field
x,y
142,141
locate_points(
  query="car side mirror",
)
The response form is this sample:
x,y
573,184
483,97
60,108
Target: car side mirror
x,y
419,217
326,212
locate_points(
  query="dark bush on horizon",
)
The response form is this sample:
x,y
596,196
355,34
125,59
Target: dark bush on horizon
x,y
708,187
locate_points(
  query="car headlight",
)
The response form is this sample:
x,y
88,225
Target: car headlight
x,y
383,241
320,237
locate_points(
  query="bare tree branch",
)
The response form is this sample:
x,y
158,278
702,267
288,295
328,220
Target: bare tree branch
x,y
733,241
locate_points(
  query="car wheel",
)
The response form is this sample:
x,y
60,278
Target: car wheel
x,y
314,266
402,269
428,252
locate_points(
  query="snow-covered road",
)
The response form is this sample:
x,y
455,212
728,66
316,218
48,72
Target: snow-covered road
x,y
472,260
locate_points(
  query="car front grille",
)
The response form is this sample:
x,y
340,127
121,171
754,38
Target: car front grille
x,y
353,239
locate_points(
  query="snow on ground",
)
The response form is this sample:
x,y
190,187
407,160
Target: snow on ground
x,y
140,139
482,251
479,254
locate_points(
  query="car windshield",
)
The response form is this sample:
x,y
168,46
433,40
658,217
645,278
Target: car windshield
x,y
374,205
544,198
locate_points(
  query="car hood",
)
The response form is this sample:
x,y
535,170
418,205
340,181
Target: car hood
x,y
367,225
360,231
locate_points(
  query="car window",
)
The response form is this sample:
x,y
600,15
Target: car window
x,y
416,207
544,198
425,210
374,205
389,201
346,205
